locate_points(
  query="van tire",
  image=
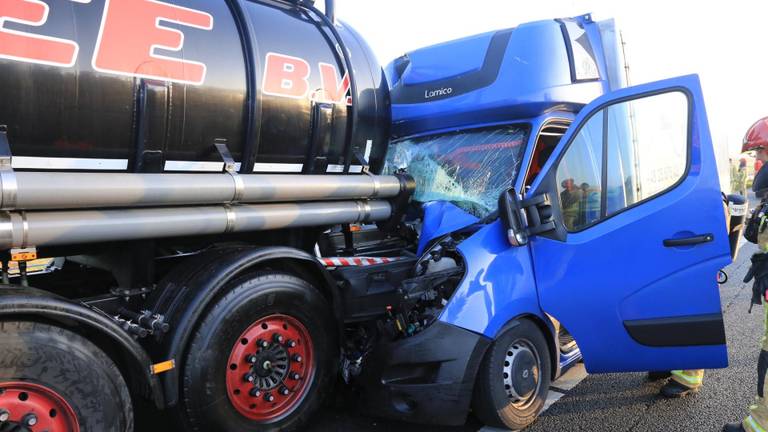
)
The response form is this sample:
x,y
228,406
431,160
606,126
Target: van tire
x,y
507,367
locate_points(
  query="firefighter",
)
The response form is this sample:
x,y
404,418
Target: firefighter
x,y
739,178
681,382
757,421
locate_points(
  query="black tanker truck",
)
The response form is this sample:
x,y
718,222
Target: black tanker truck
x,y
170,172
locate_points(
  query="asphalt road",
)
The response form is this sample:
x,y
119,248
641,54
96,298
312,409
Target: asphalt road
x,y
628,402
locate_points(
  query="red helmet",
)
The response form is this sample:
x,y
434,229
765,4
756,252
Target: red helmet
x,y
757,136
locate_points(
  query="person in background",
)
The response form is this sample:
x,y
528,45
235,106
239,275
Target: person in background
x,y
570,199
757,140
739,178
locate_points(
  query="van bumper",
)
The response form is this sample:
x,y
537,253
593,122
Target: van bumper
x,y
426,378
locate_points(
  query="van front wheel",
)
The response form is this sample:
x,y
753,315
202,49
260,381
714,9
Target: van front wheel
x,y
514,378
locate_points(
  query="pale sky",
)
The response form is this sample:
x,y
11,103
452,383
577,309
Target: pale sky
x,y
726,43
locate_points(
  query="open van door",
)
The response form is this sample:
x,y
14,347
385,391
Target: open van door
x,y
630,269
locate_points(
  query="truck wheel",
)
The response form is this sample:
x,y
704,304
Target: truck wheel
x,y
513,380
54,380
263,359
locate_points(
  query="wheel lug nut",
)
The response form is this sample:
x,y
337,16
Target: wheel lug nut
x,y
268,397
255,392
297,358
249,377
251,359
291,343
29,420
295,376
278,338
262,343
4,416
284,391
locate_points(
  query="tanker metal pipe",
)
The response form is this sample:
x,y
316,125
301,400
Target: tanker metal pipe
x,y
62,190
50,228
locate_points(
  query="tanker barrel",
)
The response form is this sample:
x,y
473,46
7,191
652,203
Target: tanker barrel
x,y
240,71
51,228
63,190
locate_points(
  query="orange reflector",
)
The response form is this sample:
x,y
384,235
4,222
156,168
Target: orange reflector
x,y
27,254
161,367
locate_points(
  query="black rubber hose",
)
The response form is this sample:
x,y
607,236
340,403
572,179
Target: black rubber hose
x,y
352,122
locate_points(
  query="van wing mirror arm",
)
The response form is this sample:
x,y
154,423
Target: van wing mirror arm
x,y
538,214
524,218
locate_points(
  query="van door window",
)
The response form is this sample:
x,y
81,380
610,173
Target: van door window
x,y
579,176
624,154
647,148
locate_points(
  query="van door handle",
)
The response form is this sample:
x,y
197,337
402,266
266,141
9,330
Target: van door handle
x,y
689,241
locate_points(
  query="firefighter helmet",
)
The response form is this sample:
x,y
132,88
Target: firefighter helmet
x,y
757,136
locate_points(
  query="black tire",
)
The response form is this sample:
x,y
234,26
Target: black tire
x,y
491,402
205,404
71,366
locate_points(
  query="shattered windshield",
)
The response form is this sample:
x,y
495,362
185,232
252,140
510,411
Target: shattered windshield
x,y
468,168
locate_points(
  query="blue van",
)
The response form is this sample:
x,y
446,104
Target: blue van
x,y
587,215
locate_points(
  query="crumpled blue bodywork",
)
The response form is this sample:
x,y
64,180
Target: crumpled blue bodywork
x,y
536,82
442,218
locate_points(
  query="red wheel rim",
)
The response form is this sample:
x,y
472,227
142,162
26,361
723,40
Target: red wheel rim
x,y
37,407
270,368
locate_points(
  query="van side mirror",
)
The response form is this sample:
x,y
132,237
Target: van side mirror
x,y
510,212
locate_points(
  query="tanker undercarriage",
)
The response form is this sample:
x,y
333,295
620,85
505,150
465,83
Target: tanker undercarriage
x,y
368,289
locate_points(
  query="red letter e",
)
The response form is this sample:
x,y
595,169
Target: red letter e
x,y
28,47
131,33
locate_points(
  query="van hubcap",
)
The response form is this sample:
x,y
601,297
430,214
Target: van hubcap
x,y
521,373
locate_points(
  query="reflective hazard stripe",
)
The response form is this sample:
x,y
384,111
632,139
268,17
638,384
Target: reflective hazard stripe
x,y
693,380
278,167
205,166
356,261
63,163
753,425
333,168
